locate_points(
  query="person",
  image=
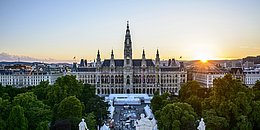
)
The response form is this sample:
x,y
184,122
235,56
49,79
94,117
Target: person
x,y
83,125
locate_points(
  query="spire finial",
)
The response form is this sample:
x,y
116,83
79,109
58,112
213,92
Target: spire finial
x,y
127,24
143,53
112,52
98,54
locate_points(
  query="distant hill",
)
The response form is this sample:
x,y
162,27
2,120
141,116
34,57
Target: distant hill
x,y
256,59
6,58
15,63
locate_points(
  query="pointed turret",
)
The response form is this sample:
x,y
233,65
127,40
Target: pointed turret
x,y
143,59
112,60
98,63
157,59
127,29
143,55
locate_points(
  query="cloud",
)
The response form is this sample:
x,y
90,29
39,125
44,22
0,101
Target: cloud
x,y
10,57
244,47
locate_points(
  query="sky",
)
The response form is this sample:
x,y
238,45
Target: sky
x,y
193,29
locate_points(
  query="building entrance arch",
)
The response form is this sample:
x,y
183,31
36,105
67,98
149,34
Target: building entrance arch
x,y
128,91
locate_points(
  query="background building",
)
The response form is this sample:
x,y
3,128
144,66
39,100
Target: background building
x,y
24,76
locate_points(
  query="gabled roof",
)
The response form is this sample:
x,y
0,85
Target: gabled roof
x,y
138,62
120,62
170,69
85,69
235,70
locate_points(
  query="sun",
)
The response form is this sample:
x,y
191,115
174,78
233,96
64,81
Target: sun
x,y
203,52
204,60
203,57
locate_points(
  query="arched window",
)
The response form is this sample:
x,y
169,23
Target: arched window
x,y
128,79
112,79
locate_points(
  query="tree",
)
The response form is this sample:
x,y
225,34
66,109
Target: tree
x,y
5,106
88,91
93,103
215,122
43,125
229,103
192,93
12,91
254,116
16,119
188,89
91,121
176,116
63,87
35,111
156,102
159,101
41,90
72,85
257,85
70,108
256,90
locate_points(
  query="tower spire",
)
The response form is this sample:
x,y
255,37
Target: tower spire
x,y
143,54
143,59
112,60
128,47
112,54
127,29
157,58
98,59
128,25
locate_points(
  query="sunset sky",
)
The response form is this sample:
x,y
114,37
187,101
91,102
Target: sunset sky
x,y
193,29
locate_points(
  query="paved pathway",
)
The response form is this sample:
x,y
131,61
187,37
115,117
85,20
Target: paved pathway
x,y
125,116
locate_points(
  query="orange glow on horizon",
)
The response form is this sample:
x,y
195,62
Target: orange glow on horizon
x,y
204,60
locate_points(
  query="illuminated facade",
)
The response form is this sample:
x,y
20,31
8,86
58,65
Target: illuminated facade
x,y
128,75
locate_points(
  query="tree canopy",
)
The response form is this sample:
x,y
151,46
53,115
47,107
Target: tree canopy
x,y
228,105
176,116
46,104
16,119
35,110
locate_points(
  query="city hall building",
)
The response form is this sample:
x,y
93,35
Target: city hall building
x,y
129,75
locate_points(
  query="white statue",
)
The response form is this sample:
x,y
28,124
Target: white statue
x,y
83,125
104,127
202,125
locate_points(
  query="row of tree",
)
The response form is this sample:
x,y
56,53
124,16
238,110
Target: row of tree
x,y
229,105
45,106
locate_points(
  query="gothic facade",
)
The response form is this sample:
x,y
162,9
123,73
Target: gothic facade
x,y
128,75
